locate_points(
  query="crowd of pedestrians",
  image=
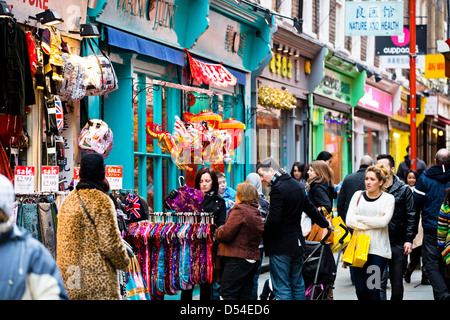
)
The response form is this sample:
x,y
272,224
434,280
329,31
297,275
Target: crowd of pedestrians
x,y
405,213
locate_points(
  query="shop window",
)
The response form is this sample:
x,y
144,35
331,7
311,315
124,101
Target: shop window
x,y
335,126
372,142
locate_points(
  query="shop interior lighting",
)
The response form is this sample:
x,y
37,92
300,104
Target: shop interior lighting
x,y
48,18
441,133
5,10
87,31
435,130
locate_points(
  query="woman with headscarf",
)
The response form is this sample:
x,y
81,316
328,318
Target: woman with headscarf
x,y
90,249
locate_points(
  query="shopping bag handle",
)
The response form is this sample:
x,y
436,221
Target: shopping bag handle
x,y
341,240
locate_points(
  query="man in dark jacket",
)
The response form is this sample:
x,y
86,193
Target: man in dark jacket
x,y
283,238
429,194
405,166
352,183
402,229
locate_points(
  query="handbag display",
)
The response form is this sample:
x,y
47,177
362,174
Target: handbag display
x,y
96,137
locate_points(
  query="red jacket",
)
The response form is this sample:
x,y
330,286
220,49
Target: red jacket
x,y
241,234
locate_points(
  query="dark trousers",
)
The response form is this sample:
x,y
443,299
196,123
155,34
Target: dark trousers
x,y
434,265
237,278
205,293
397,267
368,278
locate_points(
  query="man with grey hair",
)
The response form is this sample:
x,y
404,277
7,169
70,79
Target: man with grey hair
x,y
352,183
283,237
429,194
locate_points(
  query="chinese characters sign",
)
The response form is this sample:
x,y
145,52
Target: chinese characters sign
x,y
434,66
373,18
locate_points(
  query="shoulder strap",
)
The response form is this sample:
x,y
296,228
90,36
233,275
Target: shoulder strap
x,y
85,210
357,203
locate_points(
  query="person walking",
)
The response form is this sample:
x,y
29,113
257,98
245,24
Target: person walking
x,y
352,182
239,240
283,239
402,229
370,211
429,194
416,253
90,249
405,165
27,269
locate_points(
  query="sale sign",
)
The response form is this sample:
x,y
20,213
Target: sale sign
x,y
49,178
114,175
76,176
23,179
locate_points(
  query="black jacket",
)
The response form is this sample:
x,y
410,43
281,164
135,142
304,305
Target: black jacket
x,y
405,221
282,230
321,195
216,204
352,183
405,166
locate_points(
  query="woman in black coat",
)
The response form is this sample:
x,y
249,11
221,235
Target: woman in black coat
x,y
320,185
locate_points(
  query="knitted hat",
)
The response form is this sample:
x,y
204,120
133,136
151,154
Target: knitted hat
x,y
92,167
7,196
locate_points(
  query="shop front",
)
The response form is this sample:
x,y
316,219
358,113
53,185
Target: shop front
x,y
332,108
372,117
282,103
174,66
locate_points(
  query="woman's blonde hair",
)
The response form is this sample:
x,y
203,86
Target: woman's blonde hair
x,y
381,172
246,192
322,170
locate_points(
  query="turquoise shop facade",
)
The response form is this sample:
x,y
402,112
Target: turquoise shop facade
x,y
147,43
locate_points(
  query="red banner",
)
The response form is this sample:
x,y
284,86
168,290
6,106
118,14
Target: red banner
x,y
209,73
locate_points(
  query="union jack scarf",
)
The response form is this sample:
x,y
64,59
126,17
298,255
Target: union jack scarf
x,y
133,206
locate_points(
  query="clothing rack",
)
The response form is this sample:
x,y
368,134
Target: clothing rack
x,y
194,217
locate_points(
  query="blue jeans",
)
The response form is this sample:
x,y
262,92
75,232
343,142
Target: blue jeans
x,y
286,276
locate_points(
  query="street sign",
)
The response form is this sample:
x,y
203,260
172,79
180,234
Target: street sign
x,y
373,18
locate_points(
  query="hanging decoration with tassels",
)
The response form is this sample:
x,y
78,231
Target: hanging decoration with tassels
x,y
276,98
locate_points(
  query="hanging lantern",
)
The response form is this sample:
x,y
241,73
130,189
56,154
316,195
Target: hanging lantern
x,y
212,118
235,129
188,116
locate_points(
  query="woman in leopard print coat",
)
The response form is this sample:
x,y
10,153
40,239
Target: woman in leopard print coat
x,y
90,251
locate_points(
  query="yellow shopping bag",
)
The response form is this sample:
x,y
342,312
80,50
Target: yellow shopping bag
x,y
361,250
339,232
349,251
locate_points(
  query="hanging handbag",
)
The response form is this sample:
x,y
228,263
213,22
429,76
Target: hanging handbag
x,y
10,127
96,137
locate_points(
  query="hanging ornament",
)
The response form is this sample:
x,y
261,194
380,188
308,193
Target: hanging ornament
x,y
235,129
211,118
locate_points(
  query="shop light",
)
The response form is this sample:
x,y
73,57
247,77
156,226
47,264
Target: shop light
x,y
359,67
280,47
87,31
369,73
5,10
378,78
435,131
291,52
297,54
286,49
48,18
441,133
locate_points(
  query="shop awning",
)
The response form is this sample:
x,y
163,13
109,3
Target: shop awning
x,y
145,47
446,121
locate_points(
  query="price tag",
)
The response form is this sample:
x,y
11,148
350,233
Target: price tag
x,y
114,175
23,179
76,176
50,178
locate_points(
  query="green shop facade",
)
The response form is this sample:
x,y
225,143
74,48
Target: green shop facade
x,y
147,42
332,105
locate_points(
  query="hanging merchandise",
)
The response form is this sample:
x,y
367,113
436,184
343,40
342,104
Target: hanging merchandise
x,y
54,114
32,52
5,167
60,153
53,46
73,86
16,83
102,78
96,137
10,127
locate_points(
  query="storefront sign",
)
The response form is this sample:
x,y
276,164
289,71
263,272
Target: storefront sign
x,y
207,73
23,179
434,66
281,65
399,45
431,106
401,62
49,178
373,18
114,175
159,13
376,100
335,86
69,10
